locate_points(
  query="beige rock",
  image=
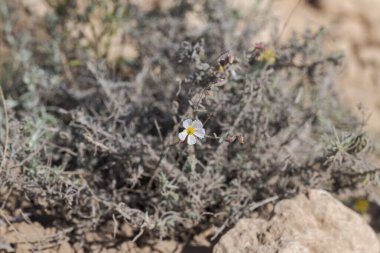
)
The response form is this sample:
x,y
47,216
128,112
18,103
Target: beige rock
x,y
312,223
346,7
65,248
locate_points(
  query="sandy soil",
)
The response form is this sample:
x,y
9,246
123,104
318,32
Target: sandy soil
x,y
354,27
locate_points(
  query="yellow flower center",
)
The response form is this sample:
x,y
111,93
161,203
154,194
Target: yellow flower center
x,y
268,55
361,205
190,130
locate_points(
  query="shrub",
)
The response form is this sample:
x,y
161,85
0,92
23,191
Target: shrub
x,y
90,139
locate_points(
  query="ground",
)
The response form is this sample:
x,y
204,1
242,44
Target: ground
x,y
352,26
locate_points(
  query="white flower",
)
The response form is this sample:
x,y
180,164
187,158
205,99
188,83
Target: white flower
x,y
192,129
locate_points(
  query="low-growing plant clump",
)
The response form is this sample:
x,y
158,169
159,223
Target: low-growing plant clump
x,y
200,126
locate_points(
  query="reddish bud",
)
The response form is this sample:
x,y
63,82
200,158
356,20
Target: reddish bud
x,y
241,139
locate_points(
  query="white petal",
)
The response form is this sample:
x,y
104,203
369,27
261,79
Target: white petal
x,y
182,135
191,140
197,124
187,123
200,133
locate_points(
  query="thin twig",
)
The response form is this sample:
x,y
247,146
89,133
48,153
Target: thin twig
x,y
6,198
156,168
5,150
158,130
256,205
138,235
